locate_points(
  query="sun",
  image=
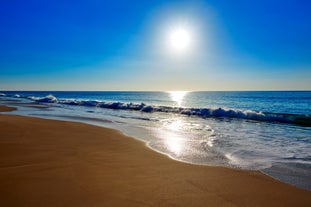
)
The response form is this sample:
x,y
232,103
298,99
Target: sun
x,y
179,40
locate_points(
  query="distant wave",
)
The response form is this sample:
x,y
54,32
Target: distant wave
x,y
304,120
46,99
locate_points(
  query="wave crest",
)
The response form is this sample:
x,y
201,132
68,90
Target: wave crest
x,y
47,99
304,120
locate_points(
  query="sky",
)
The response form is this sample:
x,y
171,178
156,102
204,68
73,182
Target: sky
x,y
124,45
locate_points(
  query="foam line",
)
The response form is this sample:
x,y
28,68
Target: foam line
x,y
298,119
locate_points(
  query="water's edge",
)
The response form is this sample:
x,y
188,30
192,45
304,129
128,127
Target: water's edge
x,y
270,172
240,130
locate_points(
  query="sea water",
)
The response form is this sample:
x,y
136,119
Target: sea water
x,y
268,131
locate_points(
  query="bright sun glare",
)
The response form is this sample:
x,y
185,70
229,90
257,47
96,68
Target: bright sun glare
x,y
179,40
178,96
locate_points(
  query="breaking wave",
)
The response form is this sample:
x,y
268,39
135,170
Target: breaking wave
x,y
299,119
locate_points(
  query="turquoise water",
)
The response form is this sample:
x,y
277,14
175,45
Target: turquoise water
x,y
267,131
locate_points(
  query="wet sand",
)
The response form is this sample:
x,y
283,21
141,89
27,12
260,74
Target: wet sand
x,y
6,108
58,163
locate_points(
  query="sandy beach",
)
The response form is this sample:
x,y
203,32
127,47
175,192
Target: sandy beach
x,y
6,108
58,163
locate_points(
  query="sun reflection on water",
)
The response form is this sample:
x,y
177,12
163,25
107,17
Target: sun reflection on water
x,y
174,141
175,124
177,96
175,145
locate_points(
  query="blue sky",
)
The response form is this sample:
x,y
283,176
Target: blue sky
x,y
120,45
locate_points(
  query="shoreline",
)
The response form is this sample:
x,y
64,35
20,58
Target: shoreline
x,y
6,108
59,163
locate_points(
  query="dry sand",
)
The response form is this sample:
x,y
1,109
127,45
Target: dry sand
x,y
57,163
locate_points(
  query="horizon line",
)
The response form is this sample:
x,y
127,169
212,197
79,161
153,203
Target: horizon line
x,y
272,90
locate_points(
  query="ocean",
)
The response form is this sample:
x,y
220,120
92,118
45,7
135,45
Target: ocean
x,y
269,131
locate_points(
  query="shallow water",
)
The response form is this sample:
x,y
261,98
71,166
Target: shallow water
x,y
248,130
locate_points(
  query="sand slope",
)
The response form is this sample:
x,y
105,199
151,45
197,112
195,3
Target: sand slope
x,y
6,108
57,163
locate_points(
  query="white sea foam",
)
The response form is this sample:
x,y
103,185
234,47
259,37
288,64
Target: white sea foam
x,y
209,135
200,112
46,99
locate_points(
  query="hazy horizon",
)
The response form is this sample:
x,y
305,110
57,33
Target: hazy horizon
x,y
153,91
